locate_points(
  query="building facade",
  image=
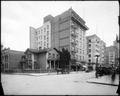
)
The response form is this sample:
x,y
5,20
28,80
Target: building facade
x,y
67,30
40,38
116,43
112,53
41,59
95,46
11,59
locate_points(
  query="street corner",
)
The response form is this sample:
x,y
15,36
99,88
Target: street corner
x,y
104,80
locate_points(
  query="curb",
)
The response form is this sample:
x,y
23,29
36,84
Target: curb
x,y
34,75
27,74
102,83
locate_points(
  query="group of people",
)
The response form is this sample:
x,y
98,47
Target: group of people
x,y
112,72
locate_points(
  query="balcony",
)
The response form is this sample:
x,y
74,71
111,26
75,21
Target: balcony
x,y
74,34
74,50
73,57
73,25
74,43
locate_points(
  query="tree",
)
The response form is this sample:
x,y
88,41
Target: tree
x,y
60,54
64,58
67,59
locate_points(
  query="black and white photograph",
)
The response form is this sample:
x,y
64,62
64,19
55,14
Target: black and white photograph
x,y
60,48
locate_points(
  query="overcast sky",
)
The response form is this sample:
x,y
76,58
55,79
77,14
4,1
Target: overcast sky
x,y
17,16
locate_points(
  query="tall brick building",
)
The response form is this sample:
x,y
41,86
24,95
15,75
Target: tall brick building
x,y
66,30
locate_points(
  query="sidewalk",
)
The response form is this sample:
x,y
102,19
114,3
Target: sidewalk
x,y
43,74
105,80
36,74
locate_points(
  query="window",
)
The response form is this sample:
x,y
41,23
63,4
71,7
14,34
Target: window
x,y
89,50
41,37
44,29
53,55
80,57
89,60
44,43
6,58
49,54
97,50
47,26
29,56
47,32
41,31
47,45
89,40
80,51
89,55
47,39
39,48
6,65
44,37
89,45
36,38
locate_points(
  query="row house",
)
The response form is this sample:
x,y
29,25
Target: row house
x,y
11,59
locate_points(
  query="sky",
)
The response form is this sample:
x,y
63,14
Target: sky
x,y
17,16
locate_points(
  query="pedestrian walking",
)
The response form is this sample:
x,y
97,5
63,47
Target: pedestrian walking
x,y
1,92
97,72
118,90
113,76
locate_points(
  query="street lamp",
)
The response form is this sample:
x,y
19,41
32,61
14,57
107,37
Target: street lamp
x,y
96,74
97,60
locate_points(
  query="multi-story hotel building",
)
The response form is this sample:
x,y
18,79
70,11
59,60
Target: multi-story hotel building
x,y
40,37
66,30
95,46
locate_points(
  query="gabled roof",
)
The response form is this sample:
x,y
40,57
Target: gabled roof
x,y
37,51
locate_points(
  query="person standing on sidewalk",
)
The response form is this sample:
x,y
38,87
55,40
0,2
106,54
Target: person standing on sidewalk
x,y
118,90
96,73
113,73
